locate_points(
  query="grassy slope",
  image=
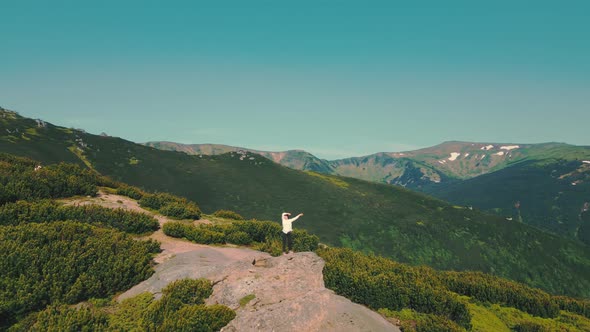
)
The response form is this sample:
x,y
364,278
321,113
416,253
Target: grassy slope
x,y
395,222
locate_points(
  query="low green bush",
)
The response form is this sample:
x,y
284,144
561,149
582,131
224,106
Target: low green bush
x,y
20,179
172,206
64,318
302,241
181,308
227,214
157,201
262,235
180,210
239,238
381,283
66,262
129,191
412,321
22,212
130,312
531,327
199,318
488,288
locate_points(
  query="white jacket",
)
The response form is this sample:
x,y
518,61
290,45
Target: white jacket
x,y
288,223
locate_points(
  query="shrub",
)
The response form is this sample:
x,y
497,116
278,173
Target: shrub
x,y
189,291
412,321
66,262
264,235
63,318
199,318
181,308
240,238
493,289
172,206
273,246
157,201
181,210
130,312
48,211
20,181
176,229
381,283
227,214
302,241
129,191
531,327
259,231
206,236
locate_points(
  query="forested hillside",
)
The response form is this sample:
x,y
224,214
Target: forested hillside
x,y
549,194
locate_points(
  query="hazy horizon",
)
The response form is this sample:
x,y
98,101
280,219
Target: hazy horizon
x,y
334,79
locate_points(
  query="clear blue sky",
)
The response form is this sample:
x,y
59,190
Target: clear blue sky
x,y
336,78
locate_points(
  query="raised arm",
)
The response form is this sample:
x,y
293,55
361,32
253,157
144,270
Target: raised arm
x,y
297,217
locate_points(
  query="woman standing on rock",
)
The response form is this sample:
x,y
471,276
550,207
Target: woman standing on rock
x,y
288,231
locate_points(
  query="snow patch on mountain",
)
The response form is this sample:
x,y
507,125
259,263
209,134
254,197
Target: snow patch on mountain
x,y
586,161
501,153
509,147
488,147
466,155
454,156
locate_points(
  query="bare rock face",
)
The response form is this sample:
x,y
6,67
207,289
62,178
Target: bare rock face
x,y
191,261
287,293
283,293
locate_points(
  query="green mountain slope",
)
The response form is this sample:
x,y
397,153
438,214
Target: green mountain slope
x,y
383,219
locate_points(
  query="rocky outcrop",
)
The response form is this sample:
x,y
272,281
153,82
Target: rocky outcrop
x,y
287,293
283,293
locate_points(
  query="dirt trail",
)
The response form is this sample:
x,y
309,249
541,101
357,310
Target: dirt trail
x,y
288,291
170,246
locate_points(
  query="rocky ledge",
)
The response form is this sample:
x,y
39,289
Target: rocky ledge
x,y
283,293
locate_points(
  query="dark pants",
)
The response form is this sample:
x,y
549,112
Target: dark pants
x,y
287,239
